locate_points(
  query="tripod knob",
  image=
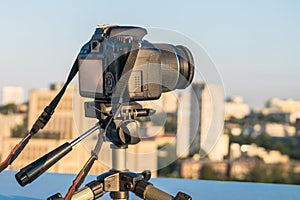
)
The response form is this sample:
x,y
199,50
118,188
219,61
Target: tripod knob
x,y
56,196
182,196
146,175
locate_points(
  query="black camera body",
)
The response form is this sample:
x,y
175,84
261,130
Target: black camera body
x,y
151,69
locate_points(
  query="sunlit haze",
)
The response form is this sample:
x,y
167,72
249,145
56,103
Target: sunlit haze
x,y
254,44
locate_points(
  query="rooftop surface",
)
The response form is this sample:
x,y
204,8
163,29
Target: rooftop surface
x,y
51,183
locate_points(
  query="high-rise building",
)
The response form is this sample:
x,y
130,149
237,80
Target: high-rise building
x,y
12,95
235,107
62,128
61,125
200,119
183,135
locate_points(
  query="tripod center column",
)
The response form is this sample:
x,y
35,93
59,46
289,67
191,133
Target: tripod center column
x,y
118,157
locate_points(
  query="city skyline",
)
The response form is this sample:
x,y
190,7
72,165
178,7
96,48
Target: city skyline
x,y
26,98
237,121
279,121
253,44
226,153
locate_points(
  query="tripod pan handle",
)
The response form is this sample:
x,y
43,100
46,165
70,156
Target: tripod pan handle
x,y
35,169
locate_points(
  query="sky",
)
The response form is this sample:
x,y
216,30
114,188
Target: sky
x,y
255,44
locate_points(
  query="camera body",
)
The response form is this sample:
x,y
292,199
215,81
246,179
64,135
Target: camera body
x,y
103,58
117,62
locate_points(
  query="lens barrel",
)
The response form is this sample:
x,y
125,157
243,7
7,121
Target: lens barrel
x,y
177,67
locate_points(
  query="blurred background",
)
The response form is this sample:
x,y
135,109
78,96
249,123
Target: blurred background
x,y
254,46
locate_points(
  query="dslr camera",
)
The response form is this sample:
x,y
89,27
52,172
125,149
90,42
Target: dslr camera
x,y
117,57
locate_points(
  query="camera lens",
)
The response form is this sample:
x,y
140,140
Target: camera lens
x,y
177,67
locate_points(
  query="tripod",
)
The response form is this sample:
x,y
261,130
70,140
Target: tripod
x,y
119,182
121,131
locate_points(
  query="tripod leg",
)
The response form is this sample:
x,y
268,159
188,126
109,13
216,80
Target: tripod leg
x,y
91,191
146,190
119,195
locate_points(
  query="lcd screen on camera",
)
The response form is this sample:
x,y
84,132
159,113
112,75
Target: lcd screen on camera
x,y
91,77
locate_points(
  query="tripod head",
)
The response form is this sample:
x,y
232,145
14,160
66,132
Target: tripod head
x,y
122,126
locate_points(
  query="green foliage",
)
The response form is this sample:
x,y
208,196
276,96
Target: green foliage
x,y
234,120
8,108
171,123
207,173
168,166
294,177
271,118
19,130
264,173
289,146
170,170
202,153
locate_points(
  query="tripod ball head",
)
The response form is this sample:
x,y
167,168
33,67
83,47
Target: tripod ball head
x,y
124,133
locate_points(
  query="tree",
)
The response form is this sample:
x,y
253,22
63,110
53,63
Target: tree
x,y
207,173
171,123
20,130
264,173
8,108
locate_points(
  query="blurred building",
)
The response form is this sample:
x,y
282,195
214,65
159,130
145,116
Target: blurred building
x,y
191,168
235,151
294,116
39,147
61,125
220,149
12,95
62,128
269,157
139,157
7,123
288,109
212,118
183,135
287,105
241,168
167,103
149,130
274,129
200,118
297,124
236,108
165,139
279,130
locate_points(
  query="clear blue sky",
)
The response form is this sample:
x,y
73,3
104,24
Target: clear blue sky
x,y
255,44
